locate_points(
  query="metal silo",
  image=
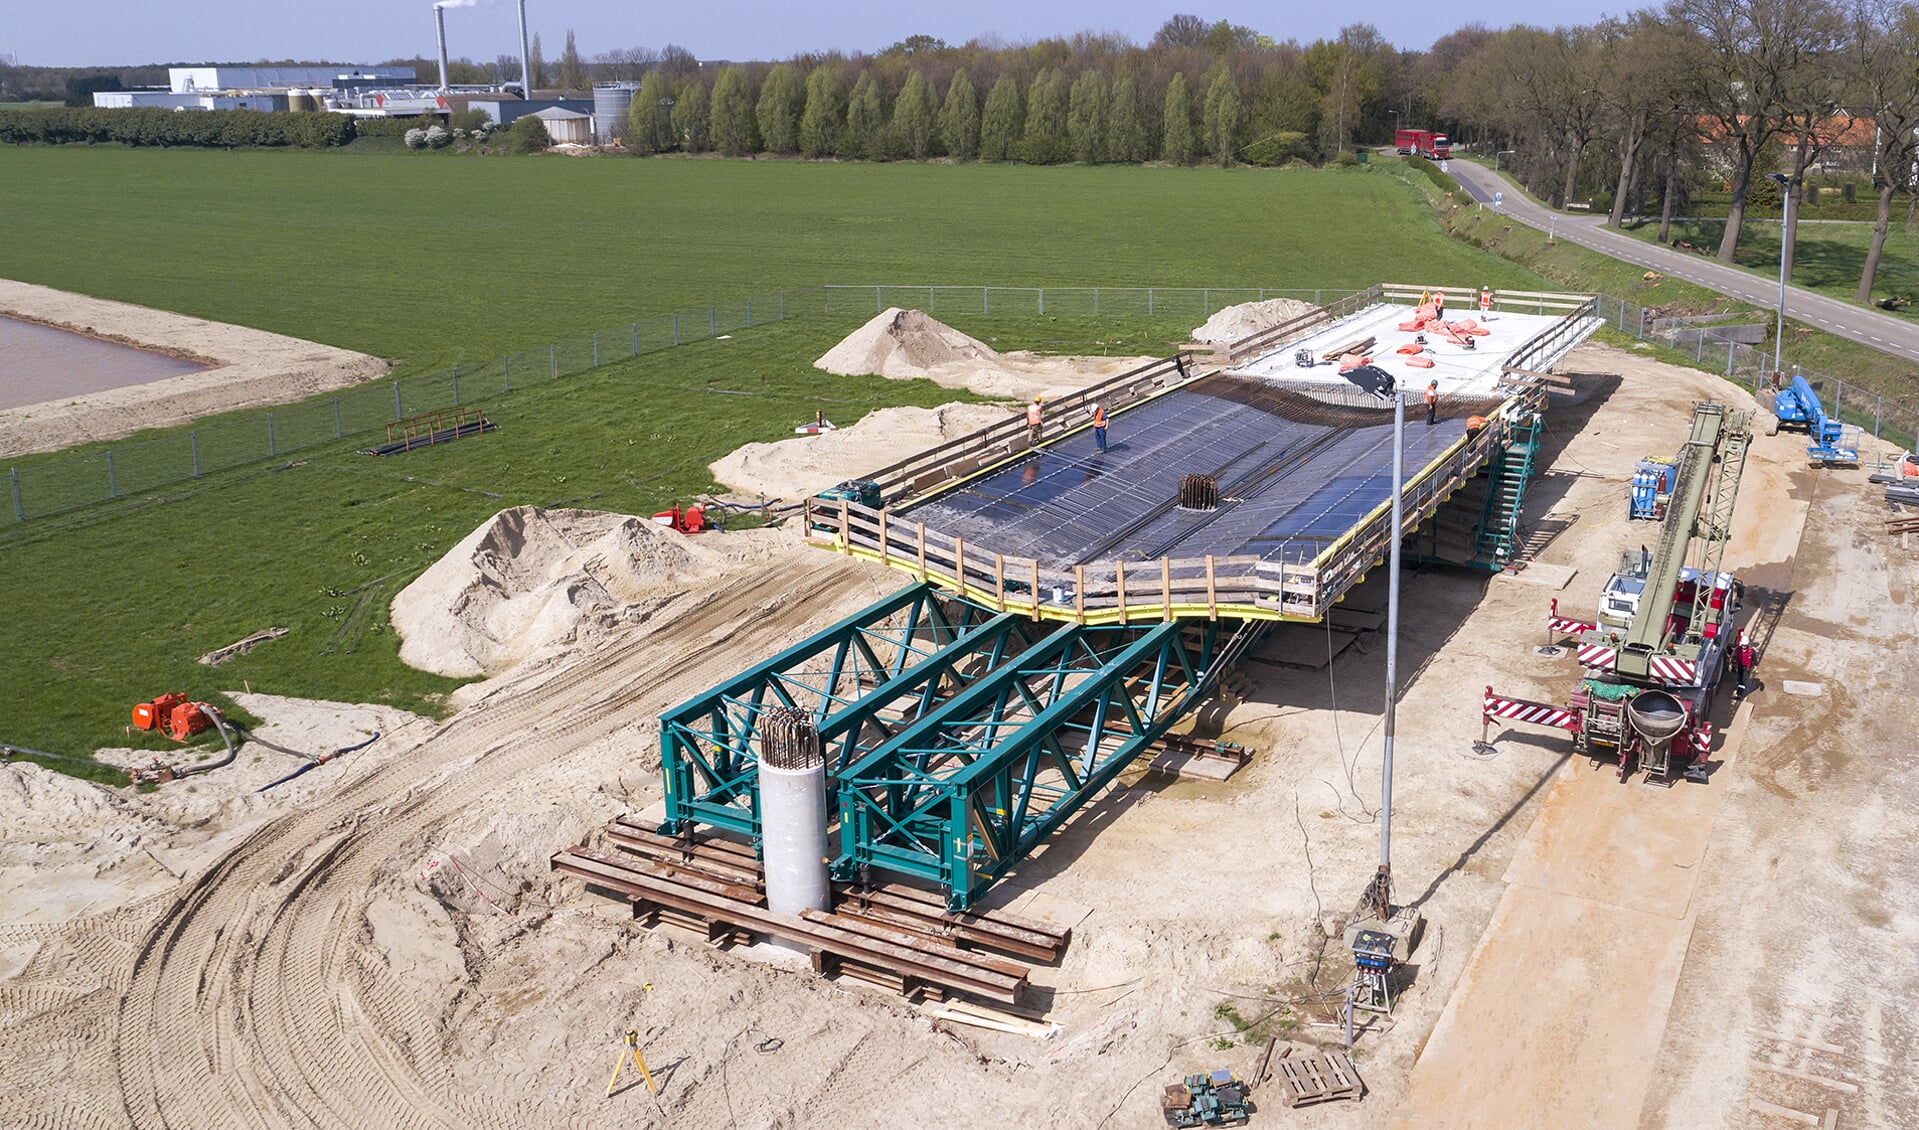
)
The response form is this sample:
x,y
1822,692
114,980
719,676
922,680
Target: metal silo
x,y
610,100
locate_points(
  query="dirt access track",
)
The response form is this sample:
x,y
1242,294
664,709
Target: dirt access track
x,y
252,369
391,951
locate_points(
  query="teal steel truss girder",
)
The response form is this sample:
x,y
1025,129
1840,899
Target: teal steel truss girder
x,y
965,791
896,659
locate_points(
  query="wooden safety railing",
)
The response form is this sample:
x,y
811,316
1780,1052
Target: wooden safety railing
x,y
955,459
1267,340
1241,586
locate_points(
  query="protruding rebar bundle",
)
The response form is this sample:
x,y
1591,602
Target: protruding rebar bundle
x,y
790,739
1199,492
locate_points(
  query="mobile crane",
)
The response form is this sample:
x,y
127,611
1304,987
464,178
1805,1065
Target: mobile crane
x,y
1647,691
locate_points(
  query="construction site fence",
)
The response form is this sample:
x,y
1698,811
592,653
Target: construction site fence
x,y
1197,303
1752,367
135,467
139,466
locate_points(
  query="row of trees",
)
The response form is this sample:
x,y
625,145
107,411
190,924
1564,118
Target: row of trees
x,y
1701,94
818,114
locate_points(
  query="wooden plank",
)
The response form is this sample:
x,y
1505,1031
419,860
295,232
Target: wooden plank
x,y
1835,1084
1760,1106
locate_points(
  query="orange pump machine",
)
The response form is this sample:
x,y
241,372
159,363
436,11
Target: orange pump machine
x,y
172,715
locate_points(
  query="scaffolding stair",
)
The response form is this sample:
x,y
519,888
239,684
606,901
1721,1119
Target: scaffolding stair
x,y
1507,474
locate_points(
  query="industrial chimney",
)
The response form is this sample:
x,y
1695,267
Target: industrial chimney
x,y
526,56
439,26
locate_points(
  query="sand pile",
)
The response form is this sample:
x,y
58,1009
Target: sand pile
x,y
529,578
903,345
794,468
1248,318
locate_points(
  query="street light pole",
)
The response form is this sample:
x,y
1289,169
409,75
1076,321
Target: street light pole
x,y
1785,219
1381,893
1501,153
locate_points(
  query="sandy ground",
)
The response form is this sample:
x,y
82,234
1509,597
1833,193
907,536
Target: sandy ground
x,y
805,465
253,369
387,947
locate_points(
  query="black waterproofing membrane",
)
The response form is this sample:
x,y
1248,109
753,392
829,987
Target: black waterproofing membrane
x,y
1298,467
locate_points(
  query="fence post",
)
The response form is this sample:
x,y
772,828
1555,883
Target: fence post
x,y
878,306
112,492
749,313
13,482
1206,302
1699,347
985,301
193,441
456,386
1095,302
713,321
596,352
553,359
337,433
676,329
1838,393
1316,300
932,300
1149,302
636,339
782,306
1729,348
272,448
1876,409
1642,323
506,374
1042,300
397,413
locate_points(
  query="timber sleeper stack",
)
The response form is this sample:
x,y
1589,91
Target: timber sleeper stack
x,y
895,936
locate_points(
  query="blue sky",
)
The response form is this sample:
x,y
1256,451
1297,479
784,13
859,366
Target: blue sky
x,y
79,32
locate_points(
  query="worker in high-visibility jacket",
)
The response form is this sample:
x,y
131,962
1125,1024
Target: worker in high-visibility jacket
x,y
1486,303
1432,403
1439,305
1033,417
1099,426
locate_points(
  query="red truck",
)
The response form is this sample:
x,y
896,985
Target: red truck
x,y
1424,143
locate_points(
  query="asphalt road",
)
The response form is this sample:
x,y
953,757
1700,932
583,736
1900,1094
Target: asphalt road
x,y
1883,332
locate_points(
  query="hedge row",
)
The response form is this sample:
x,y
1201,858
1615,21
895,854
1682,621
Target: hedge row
x,y
152,125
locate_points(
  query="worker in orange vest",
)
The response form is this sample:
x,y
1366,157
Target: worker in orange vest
x,y
1486,303
1033,421
1099,426
1742,660
1439,305
1432,403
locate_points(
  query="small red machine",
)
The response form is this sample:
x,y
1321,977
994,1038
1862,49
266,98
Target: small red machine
x,y
691,520
172,715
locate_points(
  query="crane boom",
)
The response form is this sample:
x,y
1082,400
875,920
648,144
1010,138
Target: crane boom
x,y
1710,465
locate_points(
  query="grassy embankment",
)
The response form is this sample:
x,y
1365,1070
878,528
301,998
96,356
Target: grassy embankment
x,y
433,262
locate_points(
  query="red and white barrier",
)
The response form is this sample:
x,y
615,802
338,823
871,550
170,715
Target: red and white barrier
x,y
1520,710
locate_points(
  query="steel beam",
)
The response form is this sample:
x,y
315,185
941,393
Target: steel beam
x,y
896,658
965,792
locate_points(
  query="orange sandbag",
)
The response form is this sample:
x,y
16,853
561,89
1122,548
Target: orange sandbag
x,y
1468,326
1420,362
1411,347
1353,361
1426,311
1411,327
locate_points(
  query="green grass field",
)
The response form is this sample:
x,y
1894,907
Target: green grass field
x,y
435,261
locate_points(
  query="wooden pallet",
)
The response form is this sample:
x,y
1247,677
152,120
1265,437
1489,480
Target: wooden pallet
x,y
1309,1079
891,935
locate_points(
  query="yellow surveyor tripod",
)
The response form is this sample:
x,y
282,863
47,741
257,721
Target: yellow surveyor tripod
x,y
632,1048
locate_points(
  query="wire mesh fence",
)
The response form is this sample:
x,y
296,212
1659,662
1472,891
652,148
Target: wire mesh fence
x,y
45,488
41,489
1751,367
1198,303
